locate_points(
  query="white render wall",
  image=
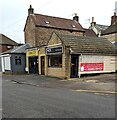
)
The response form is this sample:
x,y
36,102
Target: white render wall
x,y
108,61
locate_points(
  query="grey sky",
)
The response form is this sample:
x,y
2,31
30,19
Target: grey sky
x,y
14,13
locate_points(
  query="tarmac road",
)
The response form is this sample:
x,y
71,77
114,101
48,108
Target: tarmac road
x,y
28,101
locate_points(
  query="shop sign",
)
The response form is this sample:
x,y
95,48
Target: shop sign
x,y
53,50
32,53
84,67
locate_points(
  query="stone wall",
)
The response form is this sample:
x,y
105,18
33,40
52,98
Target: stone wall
x,y
111,37
37,35
29,32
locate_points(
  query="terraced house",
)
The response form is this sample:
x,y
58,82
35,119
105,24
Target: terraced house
x,y
63,48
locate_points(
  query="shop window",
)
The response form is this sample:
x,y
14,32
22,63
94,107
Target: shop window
x,y
55,61
18,60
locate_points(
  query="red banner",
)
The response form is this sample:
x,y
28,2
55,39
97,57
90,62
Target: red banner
x,y
91,67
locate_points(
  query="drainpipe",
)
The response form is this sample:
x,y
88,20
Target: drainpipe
x,y
79,67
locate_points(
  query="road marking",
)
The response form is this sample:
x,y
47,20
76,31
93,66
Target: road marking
x,y
96,91
101,94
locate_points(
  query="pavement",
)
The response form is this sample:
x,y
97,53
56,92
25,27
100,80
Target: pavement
x,y
101,83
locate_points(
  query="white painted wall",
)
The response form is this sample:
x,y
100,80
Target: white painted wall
x,y
108,61
6,62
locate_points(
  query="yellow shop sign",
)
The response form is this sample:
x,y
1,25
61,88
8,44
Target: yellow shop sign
x,y
32,53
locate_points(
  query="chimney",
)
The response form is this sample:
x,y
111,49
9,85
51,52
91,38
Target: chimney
x,y
76,18
30,10
113,18
93,23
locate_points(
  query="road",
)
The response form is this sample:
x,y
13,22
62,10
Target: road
x,y
26,101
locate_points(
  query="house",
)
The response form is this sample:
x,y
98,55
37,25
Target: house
x,y
38,27
97,28
69,56
89,32
111,32
14,60
6,43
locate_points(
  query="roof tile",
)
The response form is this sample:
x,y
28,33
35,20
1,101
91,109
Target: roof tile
x,y
56,22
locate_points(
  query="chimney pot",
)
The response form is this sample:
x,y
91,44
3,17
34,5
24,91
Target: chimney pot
x,y
93,23
76,18
92,19
113,18
30,10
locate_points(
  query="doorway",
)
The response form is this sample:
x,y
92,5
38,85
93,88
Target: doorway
x,y
74,66
42,65
33,65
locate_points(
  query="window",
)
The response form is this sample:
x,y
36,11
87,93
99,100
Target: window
x,y
55,61
18,60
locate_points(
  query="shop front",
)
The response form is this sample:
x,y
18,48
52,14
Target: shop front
x,y
72,56
32,61
52,61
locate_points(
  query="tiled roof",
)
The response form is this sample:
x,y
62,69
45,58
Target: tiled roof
x,y
4,40
110,29
56,22
88,45
90,32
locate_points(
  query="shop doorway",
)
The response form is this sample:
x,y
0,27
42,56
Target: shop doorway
x,y
42,65
74,66
33,65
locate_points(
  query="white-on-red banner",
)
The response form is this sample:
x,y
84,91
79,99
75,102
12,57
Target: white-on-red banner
x,y
91,67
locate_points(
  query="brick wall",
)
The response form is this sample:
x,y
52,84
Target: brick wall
x,y
4,48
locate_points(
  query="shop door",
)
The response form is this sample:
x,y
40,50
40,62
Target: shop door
x,y
33,65
74,66
42,65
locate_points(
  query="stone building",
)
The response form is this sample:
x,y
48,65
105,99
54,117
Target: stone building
x,y
70,56
38,28
111,32
63,48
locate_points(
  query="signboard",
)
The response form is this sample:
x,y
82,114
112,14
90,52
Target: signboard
x,y
32,53
53,50
84,67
